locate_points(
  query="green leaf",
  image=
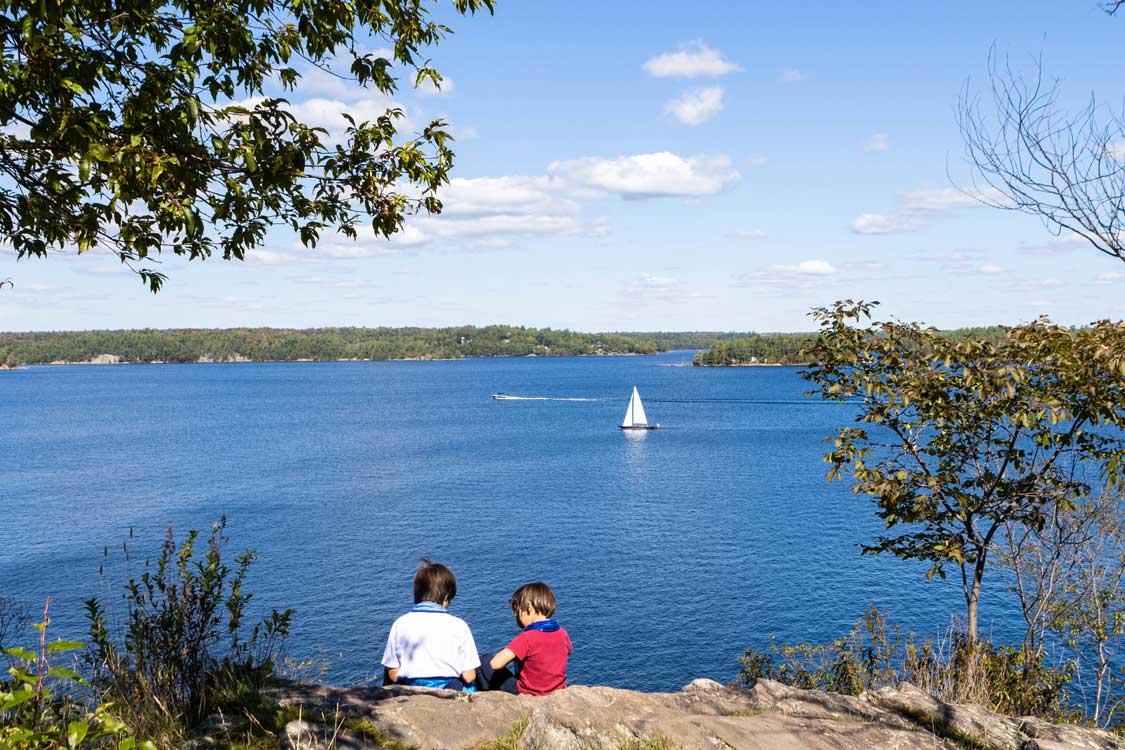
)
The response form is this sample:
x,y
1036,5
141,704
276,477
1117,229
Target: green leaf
x,y
60,645
63,673
75,733
21,653
15,698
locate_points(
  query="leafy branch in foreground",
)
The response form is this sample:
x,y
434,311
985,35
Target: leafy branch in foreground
x,y
35,715
145,127
957,440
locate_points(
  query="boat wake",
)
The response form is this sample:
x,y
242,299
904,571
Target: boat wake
x,y
802,402
506,397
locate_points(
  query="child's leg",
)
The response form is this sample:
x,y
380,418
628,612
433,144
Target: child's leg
x,y
495,679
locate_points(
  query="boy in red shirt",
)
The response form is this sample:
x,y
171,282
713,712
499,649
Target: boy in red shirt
x,y
539,651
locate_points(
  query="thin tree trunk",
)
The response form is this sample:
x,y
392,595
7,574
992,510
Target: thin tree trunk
x,y
972,599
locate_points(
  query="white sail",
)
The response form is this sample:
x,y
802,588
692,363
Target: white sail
x,y
635,414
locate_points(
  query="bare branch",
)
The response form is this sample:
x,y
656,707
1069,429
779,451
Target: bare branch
x,y
1029,154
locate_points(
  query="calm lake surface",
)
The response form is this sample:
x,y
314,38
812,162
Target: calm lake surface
x,y
670,551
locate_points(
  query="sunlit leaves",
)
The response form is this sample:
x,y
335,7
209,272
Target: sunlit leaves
x,y
133,142
960,437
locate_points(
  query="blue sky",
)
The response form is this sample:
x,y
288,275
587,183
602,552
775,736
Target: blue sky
x,y
657,165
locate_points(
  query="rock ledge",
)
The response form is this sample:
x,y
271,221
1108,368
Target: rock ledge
x,y
704,715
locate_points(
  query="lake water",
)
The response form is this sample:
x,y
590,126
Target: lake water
x,y
670,551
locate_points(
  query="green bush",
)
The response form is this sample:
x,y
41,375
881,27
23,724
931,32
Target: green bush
x,y
183,651
41,706
875,654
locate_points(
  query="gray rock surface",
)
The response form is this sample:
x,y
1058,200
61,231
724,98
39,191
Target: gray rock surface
x,y
703,716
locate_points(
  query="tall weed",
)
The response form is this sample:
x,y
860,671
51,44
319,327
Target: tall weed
x,y
182,648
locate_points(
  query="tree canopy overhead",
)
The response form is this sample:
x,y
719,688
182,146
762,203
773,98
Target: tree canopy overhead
x,y
143,126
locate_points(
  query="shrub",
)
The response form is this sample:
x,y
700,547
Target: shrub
x,y
875,654
183,651
41,707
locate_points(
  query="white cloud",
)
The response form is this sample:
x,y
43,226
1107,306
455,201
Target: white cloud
x,y
1111,277
758,159
813,268
505,224
329,113
879,143
959,261
498,195
879,224
427,87
991,268
318,81
657,282
650,175
261,257
918,206
750,234
943,199
697,106
1115,150
692,61
792,75
649,287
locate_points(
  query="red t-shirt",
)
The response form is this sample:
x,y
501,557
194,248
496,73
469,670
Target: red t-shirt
x,y
542,658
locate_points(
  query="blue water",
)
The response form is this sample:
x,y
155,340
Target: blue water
x,y
669,551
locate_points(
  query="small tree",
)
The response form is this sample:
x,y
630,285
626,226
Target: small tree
x,y
956,439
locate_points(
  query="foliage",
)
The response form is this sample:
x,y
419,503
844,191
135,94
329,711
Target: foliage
x,y
184,650
273,344
956,439
792,348
875,654
684,339
772,348
146,127
1069,577
38,712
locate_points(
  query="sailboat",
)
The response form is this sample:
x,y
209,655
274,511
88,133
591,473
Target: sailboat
x,y
635,418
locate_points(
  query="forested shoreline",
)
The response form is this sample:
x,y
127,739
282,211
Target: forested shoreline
x,y
789,348
154,346
330,344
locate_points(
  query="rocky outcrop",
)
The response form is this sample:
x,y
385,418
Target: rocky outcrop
x,y
100,359
703,716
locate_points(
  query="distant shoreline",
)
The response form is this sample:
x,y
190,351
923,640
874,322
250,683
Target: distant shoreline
x,y
111,361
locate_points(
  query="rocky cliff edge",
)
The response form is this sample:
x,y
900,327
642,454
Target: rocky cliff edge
x,y
704,715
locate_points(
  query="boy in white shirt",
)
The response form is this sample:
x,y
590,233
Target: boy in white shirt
x,y
428,647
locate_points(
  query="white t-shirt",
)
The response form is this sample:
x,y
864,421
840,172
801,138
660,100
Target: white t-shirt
x,y
430,644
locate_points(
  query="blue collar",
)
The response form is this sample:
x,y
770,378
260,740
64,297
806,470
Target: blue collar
x,y
545,626
429,607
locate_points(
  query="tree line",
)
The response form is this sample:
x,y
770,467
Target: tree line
x,y
793,348
318,344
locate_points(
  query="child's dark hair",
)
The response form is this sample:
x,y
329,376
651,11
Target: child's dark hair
x,y
538,596
434,583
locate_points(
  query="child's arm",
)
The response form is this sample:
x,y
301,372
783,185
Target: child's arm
x,y
469,676
392,674
503,657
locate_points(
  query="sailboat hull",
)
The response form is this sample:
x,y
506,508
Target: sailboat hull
x,y
638,427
